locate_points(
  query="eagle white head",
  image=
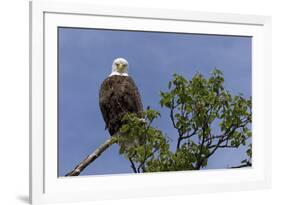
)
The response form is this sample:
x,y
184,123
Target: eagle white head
x,y
120,67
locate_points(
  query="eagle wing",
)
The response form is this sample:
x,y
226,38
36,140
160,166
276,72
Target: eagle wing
x,y
118,95
133,96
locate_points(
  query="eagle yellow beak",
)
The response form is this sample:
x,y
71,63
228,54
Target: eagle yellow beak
x,y
120,68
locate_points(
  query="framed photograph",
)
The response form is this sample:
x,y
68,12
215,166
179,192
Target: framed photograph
x,y
130,102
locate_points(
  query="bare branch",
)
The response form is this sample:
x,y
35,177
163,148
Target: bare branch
x,y
92,157
133,165
172,113
247,164
190,135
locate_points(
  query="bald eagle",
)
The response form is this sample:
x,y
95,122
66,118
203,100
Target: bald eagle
x,y
118,95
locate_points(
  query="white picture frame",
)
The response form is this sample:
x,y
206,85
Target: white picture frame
x,y
46,187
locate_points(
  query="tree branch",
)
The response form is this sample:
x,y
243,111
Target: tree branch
x,y
199,156
190,135
247,164
92,157
146,158
172,113
133,165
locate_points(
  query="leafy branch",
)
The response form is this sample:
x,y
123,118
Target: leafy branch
x,y
207,118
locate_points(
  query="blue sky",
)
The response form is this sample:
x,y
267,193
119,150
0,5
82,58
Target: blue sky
x,y
85,59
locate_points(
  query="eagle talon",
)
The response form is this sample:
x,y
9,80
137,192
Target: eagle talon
x,y
143,120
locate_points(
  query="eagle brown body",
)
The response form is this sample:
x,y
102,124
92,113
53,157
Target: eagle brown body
x,y
118,95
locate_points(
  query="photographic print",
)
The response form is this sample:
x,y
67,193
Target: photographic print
x,y
143,101
153,102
